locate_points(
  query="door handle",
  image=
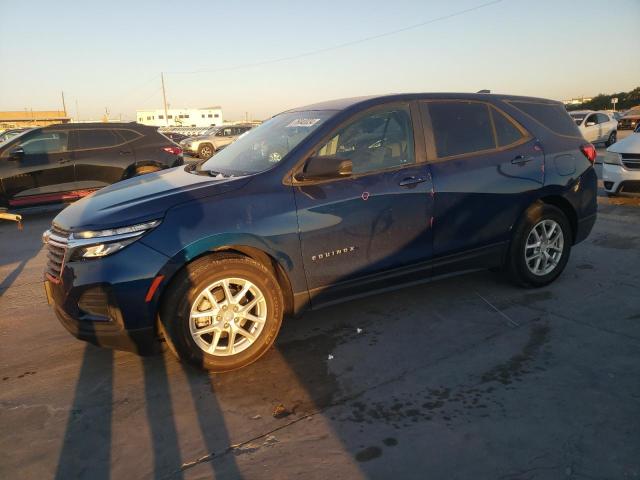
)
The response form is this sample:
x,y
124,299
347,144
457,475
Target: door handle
x,y
125,152
521,159
64,160
407,182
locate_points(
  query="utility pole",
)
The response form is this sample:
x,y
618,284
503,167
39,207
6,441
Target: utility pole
x,y
64,106
164,99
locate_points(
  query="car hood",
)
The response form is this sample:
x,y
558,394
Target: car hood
x,y
143,198
631,144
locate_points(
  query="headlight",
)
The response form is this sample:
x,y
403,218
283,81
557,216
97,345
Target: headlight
x,y
100,243
613,158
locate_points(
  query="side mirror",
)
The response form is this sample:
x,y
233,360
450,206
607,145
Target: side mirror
x,y
590,124
325,168
16,154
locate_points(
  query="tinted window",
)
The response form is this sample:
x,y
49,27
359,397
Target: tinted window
x,y
602,118
506,132
592,119
461,127
127,135
377,141
551,115
98,138
45,142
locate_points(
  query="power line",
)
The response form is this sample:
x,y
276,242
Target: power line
x,y
343,45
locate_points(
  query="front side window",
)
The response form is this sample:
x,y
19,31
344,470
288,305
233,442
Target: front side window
x,y
377,141
45,143
266,145
592,119
98,138
461,127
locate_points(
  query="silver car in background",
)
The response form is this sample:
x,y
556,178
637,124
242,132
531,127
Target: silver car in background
x,y
205,146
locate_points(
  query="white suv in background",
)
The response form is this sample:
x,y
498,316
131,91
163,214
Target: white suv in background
x,y
596,127
621,168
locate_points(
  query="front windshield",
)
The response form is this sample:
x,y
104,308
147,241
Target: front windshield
x,y
263,147
578,117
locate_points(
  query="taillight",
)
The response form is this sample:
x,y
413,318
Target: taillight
x,y
173,150
589,151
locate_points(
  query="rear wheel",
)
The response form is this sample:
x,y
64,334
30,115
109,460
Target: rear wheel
x,y
613,137
206,151
222,313
540,247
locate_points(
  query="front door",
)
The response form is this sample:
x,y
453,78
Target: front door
x,y
377,219
42,170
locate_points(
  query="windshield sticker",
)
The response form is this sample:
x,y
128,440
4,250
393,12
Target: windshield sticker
x,y
303,122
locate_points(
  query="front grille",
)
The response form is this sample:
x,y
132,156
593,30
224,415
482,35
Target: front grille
x,y
631,160
56,239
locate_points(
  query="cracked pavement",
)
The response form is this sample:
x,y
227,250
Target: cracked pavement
x,y
467,377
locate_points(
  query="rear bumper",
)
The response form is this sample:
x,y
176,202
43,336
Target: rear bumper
x,y
584,227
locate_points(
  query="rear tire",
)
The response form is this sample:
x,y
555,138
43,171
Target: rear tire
x,y
613,137
548,227
206,151
143,170
236,333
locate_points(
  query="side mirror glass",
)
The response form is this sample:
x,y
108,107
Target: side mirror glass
x,y
325,168
16,154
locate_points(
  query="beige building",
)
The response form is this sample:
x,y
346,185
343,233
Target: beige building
x,y
32,118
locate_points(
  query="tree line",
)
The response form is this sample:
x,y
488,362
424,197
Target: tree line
x,y
602,101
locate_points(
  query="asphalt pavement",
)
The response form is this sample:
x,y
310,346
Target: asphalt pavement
x,y
467,377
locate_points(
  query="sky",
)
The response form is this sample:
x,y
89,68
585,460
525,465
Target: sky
x,y
109,55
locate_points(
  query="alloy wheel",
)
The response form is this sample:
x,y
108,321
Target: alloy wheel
x,y
228,316
544,247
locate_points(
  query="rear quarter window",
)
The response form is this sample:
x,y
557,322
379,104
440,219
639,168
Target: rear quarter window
x,y
553,116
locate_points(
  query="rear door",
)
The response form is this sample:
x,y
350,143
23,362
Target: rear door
x,y
376,220
487,167
101,156
46,168
605,126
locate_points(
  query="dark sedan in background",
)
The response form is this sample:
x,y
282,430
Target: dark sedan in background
x,y
630,120
65,162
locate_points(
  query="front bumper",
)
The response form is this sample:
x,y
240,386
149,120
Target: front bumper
x,y
103,301
618,179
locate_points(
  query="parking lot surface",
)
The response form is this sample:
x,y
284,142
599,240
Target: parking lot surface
x,y
466,377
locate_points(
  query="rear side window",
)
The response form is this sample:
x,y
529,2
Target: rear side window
x,y
551,115
461,127
506,132
127,135
602,118
99,138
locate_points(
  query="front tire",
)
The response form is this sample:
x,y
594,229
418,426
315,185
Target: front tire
x,y
540,246
223,312
206,151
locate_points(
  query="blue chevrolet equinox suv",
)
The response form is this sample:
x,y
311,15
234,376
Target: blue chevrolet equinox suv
x,y
319,204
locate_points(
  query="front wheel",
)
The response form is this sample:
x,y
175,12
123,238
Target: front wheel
x,y
540,246
222,313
